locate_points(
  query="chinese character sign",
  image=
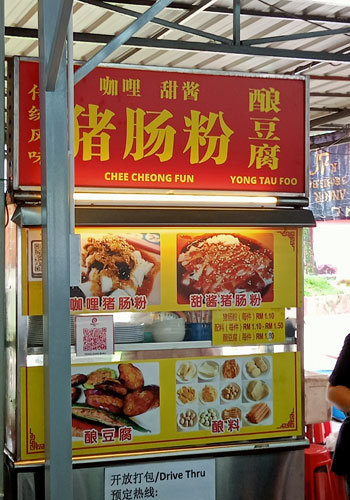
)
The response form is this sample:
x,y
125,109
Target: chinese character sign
x,y
171,480
248,326
330,182
146,128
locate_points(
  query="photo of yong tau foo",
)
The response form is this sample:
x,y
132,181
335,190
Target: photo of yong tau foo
x,y
236,390
116,396
224,264
120,266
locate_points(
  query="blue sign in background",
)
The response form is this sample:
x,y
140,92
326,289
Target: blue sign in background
x,y
330,182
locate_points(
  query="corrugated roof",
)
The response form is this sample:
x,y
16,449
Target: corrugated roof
x,y
201,35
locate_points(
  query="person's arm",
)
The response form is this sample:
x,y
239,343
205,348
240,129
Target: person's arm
x,y
339,395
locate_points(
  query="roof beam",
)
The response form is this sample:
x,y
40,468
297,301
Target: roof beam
x,y
316,122
277,14
296,36
238,49
325,109
198,46
120,39
162,22
330,94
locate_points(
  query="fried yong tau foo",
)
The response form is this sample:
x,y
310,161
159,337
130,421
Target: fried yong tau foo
x,y
110,402
186,371
99,376
140,401
233,412
78,379
261,364
230,368
257,366
209,394
259,412
75,394
186,394
188,418
257,390
231,391
131,376
113,386
99,399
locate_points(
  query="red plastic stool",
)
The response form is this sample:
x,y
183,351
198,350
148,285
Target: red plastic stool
x,y
320,482
317,433
339,486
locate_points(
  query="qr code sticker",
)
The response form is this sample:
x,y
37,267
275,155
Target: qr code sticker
x,y
94,339
36,260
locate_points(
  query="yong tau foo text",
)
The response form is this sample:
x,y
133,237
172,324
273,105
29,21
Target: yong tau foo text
x,y
280,181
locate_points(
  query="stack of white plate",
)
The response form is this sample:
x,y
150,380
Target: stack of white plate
x,y
126,333
35,331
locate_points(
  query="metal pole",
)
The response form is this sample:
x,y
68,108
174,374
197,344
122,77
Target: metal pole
x,y
2,249
56,272
236,22
70,72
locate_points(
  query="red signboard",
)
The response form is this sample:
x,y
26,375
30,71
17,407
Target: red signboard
x,y
150,129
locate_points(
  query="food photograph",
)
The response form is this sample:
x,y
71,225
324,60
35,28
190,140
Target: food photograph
x,y
224,264
186,371
233,388
116,395
258,414
208,394
230,369
186,394
208,370
120,265
231,412
256,390
256,367
187,420
207,416
231,392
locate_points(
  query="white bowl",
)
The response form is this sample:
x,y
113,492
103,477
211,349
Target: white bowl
x,y
169,322
172,330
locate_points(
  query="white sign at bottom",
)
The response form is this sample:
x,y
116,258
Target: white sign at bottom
x,y
185,479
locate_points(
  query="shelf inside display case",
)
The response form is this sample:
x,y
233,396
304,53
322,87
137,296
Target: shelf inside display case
x,y
156,346
35,355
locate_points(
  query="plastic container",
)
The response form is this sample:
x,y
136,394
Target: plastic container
x,y
198,331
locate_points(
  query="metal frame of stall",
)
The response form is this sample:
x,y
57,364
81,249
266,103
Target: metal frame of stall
x,y
56,217
281,460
